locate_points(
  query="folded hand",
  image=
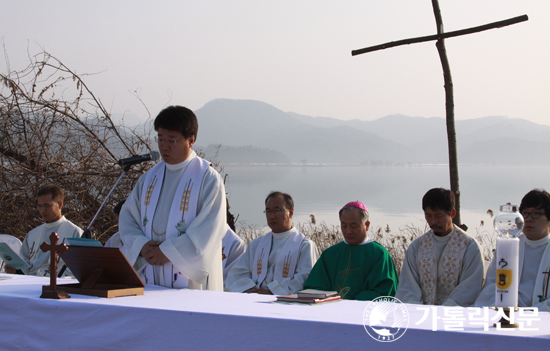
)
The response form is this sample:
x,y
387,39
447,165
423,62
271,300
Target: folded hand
x,y
153,254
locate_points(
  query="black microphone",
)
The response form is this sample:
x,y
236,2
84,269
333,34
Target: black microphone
x,y
134,160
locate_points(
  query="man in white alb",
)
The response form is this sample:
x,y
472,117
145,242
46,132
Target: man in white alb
x,y
445,265
233,247
114,240
173,222
49,201
534,256
276,263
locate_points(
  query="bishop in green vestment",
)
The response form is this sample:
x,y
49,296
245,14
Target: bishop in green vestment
x,y
358,268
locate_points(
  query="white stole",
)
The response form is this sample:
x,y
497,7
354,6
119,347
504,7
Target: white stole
x,y
543,279
182,212
286,261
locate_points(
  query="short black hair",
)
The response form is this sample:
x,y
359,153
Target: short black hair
x,y
439,198
56,192
118,207
178,119
289,202
536,198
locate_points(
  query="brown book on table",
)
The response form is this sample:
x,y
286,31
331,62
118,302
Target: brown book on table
x,y
296,298
316,294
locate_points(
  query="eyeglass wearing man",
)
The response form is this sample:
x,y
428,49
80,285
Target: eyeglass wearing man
x,y
50,211
279,220
537,218
174,148
49,208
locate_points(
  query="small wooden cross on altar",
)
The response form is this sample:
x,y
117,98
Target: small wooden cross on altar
x,y
52,293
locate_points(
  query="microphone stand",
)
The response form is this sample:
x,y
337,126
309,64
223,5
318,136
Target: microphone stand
x,y
87,234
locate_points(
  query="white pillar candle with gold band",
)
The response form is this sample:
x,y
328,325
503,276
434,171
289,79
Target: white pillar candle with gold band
x,y
507,272
508,224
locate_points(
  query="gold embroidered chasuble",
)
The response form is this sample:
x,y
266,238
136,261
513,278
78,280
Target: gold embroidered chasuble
x,y
438,279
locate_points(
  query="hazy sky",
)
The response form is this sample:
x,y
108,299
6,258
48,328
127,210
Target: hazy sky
x,y
295,55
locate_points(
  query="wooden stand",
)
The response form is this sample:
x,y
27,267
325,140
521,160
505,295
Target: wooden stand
x,y
101,272
50,291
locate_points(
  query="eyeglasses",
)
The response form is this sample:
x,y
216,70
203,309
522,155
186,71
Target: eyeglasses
x,y
534,215
275,211
45,206
170,142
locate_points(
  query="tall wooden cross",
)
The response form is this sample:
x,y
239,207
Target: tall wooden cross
x,y
51,291
449,99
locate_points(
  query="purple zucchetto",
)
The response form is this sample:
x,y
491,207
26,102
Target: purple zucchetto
x,y
356,204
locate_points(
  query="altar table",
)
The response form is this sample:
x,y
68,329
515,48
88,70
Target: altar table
x,y
167,319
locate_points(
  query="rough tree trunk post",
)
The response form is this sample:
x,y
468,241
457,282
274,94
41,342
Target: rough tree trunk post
x,y
450,113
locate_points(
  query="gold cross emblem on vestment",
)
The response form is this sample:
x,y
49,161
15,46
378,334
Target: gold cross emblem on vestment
x,y
343,275
184,205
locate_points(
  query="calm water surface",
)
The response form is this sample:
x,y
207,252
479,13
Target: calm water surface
x,y
393,194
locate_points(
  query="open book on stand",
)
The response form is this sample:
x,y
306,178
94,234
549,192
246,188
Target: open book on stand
x,y
83,242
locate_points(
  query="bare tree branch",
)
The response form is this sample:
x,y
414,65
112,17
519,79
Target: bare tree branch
x,y
53,129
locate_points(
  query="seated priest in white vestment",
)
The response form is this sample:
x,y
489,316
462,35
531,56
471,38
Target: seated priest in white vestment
x,y
173,222
114,240
232,248
49,201
534,256
445,265
357,268
276,263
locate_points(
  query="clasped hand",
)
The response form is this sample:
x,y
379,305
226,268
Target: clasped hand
x,y
153,254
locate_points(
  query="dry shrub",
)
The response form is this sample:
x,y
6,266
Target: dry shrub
x,y
249,232
53,130
323,235
397,243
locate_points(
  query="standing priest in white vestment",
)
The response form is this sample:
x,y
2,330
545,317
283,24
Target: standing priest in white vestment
x,y
49,201
445,265
276,263
534,256
173,222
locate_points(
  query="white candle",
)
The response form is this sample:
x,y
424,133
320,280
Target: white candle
x,y
507,272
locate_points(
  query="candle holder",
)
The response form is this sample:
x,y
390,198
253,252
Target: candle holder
x,y
508,224
505,321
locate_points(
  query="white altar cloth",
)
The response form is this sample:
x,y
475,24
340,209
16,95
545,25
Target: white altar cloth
x,y
165,319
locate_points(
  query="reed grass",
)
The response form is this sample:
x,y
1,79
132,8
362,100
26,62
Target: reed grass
x,y
395,241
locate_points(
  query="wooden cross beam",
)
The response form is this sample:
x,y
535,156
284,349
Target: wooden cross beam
x,y
51,291
449,97
445,35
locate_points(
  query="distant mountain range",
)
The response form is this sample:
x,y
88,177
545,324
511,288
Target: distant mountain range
x,y
255,132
